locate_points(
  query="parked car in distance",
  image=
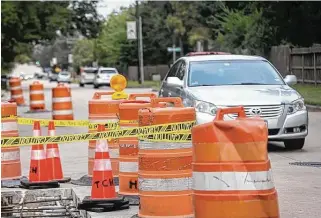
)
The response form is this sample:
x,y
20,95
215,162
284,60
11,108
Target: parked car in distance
x,y
87,76
53,76
103,76
64,77
211,81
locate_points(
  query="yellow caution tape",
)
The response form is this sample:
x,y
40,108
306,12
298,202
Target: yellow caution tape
x,y
120,133
128,121
168,137
73,123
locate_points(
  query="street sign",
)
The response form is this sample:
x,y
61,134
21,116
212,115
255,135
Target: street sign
x,y
131,30
177,49
70,59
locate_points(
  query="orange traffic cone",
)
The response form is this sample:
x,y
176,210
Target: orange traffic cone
x,y
38,174
103,194
53,158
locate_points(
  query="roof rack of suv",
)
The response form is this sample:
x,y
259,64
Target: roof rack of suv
x,y
207,53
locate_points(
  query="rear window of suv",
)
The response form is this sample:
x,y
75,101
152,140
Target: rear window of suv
x,y
90,71
108,72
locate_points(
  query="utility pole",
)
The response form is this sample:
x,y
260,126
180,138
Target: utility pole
x,y
141,51
138,43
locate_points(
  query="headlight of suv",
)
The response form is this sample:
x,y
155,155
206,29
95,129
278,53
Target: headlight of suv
x,y
205,107
296,105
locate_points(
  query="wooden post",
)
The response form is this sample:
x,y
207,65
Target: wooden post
x,y
315,69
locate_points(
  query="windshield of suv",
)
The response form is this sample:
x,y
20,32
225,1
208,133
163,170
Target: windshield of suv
x,y
232,72
107,71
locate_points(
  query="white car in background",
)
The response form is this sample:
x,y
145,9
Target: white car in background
x,y
87,76
103,76
64,77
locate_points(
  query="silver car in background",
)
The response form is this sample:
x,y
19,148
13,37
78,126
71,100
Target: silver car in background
x,y
64,77
212,81
87,76
103,76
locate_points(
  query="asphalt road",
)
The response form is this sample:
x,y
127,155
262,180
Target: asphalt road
x,y
299,187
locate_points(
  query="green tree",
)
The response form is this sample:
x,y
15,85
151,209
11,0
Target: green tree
x,y
83,53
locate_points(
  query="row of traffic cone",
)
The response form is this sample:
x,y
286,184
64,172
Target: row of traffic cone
x,y
45,165
46,172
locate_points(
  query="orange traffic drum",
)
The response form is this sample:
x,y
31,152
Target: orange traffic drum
x,y
16,91
10,157
232,174
37,97
165,171
62,103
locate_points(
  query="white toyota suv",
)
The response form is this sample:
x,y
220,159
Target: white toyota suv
x,y
211,80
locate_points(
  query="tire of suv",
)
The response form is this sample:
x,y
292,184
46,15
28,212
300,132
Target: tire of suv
x,y
96,86
81,85
294,144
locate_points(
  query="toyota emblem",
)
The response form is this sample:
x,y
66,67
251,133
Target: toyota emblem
x,y
255,111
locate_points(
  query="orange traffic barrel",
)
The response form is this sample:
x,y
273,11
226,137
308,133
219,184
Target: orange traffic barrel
x,y
37,97
62,103
10,157
232,174
128,147
165,171
104,110
16,91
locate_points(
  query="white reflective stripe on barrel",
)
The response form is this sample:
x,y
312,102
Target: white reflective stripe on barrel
x,y
10,155
176,184
9,126
52,152
16,96
61,112
128,167
36,92
62,99
163,145
114,152
37,102
232,181
102,165
38,155
15,88
36,132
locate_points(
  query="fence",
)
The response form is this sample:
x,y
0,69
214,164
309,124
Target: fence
x,y
304,63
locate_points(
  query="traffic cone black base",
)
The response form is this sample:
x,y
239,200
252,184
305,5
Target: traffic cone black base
x,y
64,180
133,199
38,185
103,205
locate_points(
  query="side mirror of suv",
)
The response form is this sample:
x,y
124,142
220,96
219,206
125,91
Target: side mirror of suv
x,y
290,80
175,81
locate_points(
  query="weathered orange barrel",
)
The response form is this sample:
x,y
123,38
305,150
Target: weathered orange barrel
x,y
165,171
10,157
231,170
37,97
62,103
103,110
128,147
16,90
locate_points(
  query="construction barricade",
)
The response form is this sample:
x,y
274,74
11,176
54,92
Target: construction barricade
x,y
16,91
165,171
231,170
128,147
10,157
36,97
62,103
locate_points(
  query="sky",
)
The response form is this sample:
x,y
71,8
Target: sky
x,y
105,7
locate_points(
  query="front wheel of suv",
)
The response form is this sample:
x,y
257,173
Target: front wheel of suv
x,y
294,144
81,84
96,86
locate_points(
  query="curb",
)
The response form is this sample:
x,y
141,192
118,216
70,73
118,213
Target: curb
x,y
313,108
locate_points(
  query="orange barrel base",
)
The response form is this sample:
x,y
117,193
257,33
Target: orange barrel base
x,y
128,182
238,206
